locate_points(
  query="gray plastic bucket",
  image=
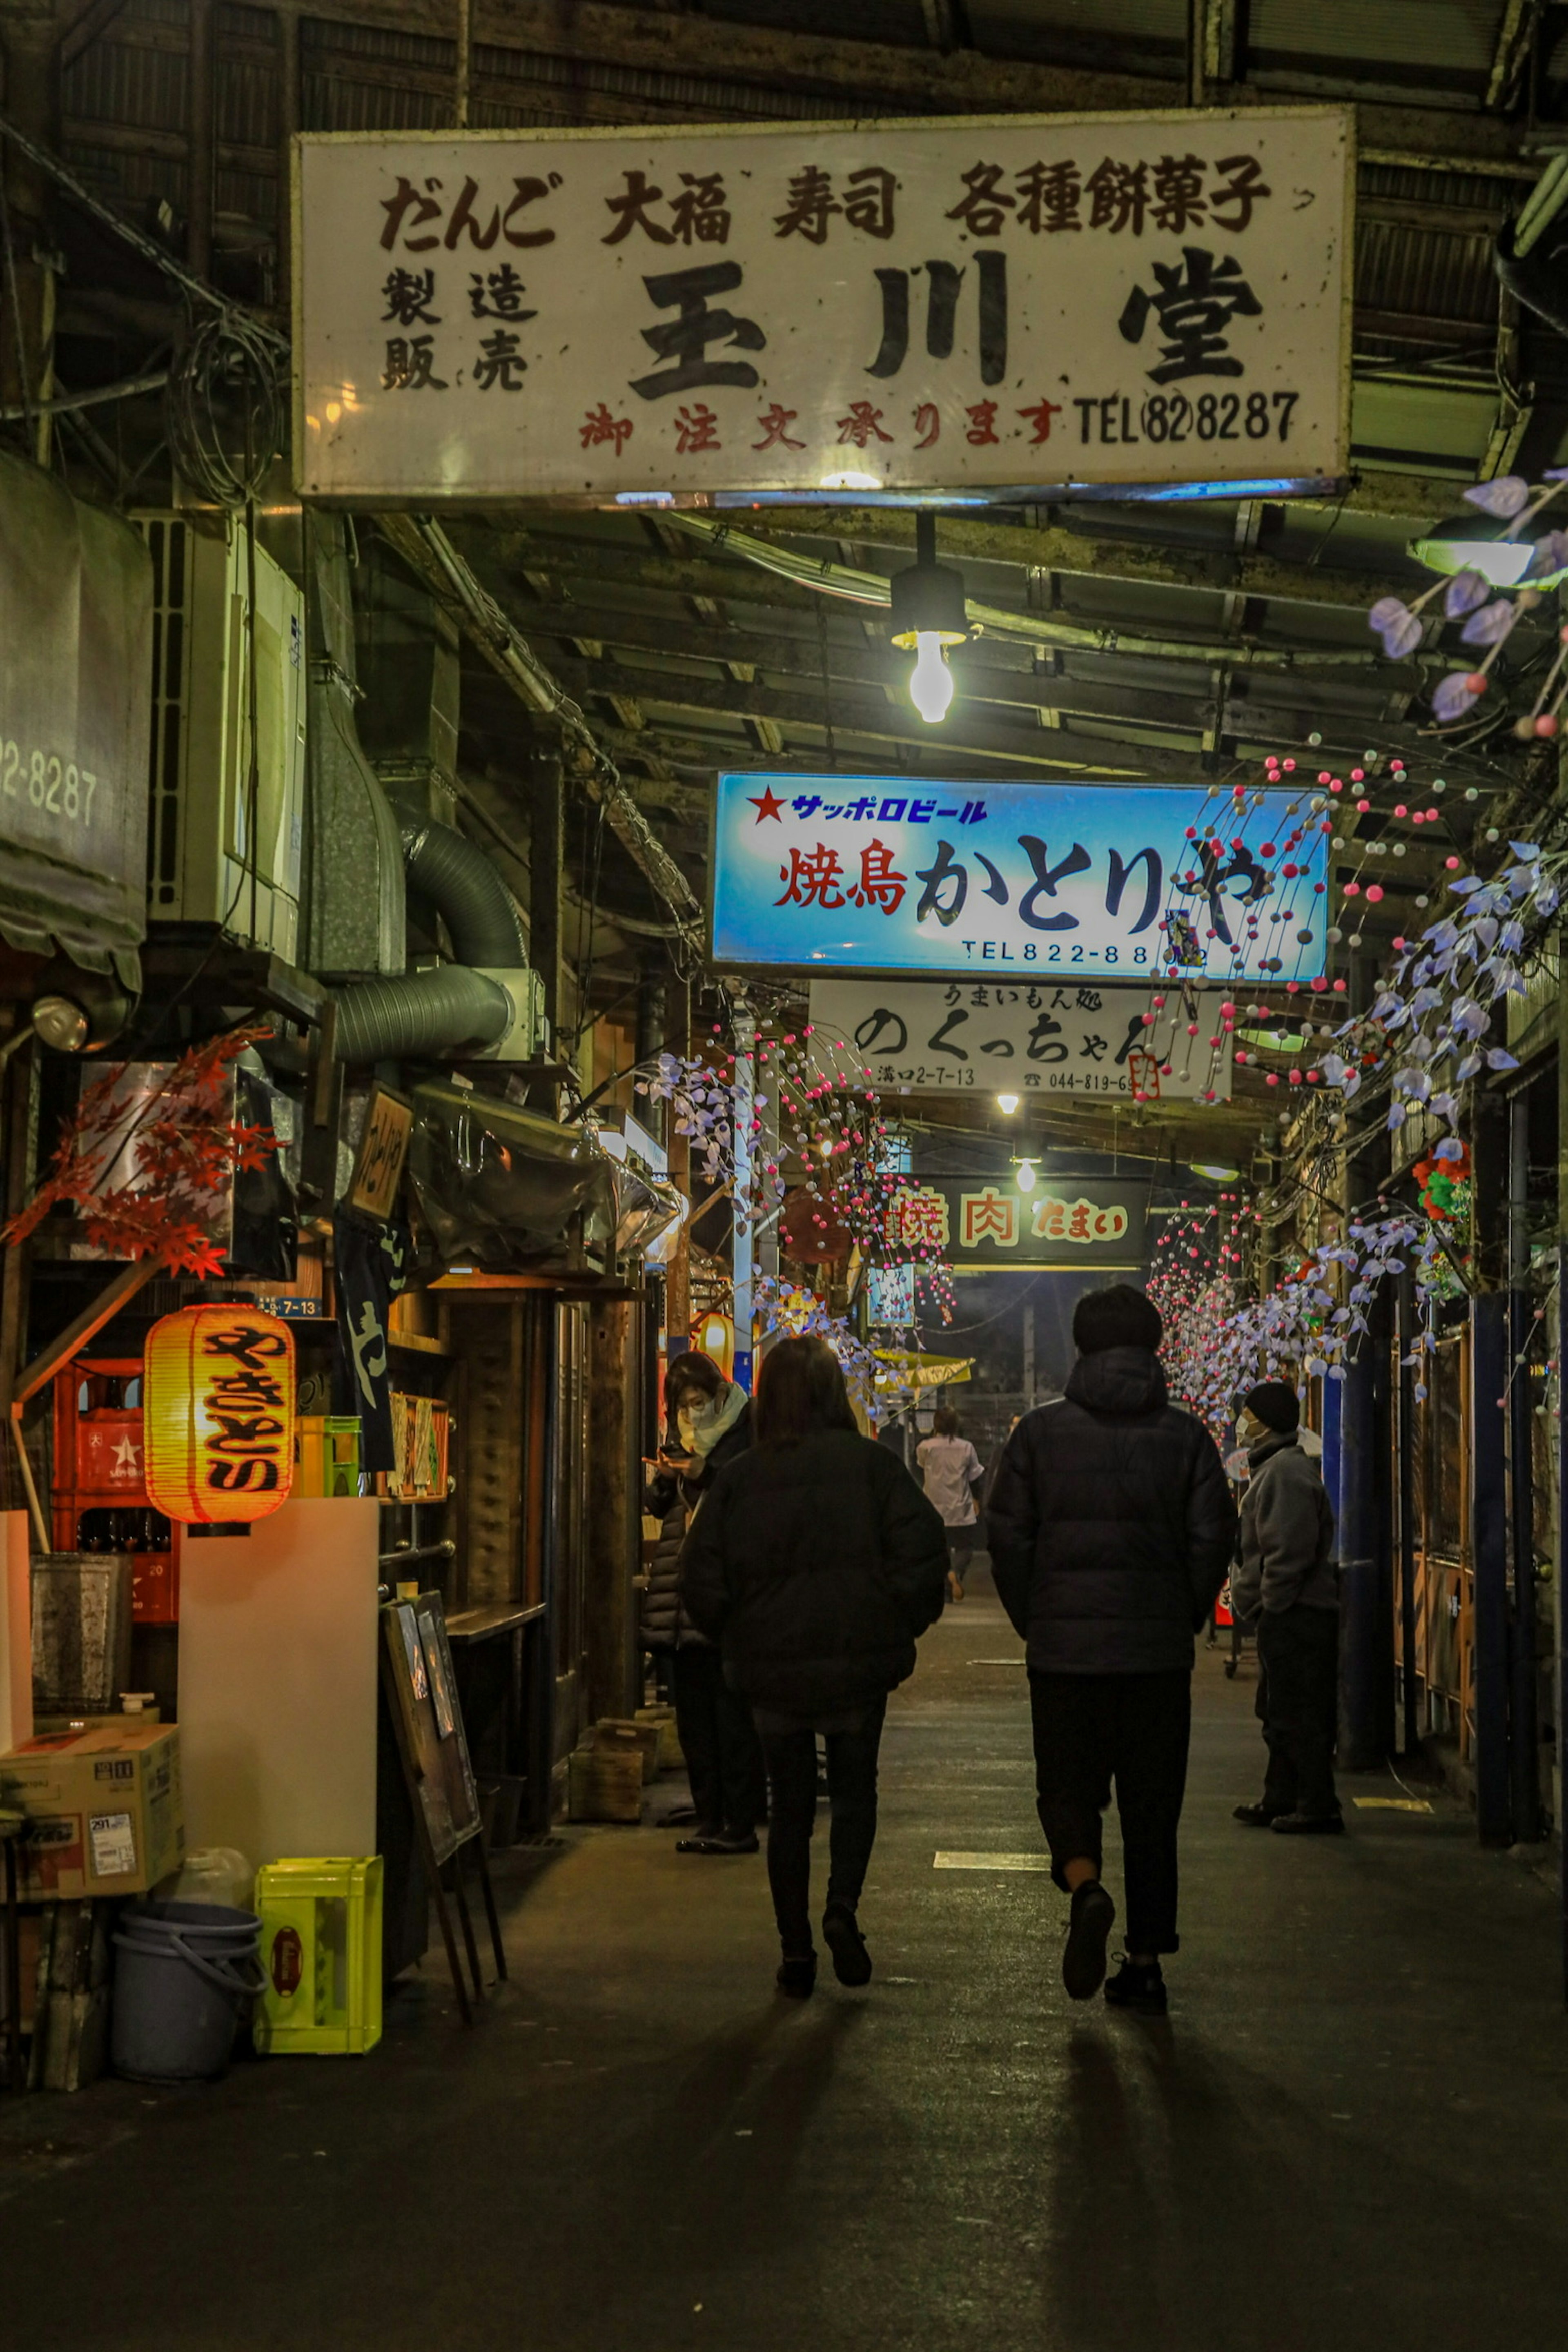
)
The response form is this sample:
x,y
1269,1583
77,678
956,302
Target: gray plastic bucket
x,y
184,1975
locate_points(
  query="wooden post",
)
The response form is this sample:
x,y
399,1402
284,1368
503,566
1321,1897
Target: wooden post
x,y
546,854
30,36
200,139
614,1508
288,102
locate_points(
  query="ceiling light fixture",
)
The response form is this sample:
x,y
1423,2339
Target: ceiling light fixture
x,y
1477,542
929,614
1007,1104
1025,1175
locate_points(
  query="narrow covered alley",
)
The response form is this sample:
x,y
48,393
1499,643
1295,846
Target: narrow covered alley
x,y
1347,2133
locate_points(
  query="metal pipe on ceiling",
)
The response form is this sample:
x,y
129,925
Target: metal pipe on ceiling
x,y
831,579
427,548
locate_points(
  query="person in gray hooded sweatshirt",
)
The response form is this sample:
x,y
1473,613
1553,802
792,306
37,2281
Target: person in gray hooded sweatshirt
x,y
1287,1587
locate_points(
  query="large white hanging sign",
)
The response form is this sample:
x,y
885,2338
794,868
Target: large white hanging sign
x,y
806,310
1032,1038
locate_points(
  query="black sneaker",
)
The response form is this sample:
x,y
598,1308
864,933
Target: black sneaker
x,y
1307,1824
841,1933
1083,1960
797,1977
1139,1986
1256,1817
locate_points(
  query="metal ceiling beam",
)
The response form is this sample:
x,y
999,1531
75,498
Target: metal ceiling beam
x,y
859,77
1275,710
1144,561
871,589
981,731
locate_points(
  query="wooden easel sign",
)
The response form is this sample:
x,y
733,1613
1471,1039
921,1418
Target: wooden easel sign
x,y
422,1690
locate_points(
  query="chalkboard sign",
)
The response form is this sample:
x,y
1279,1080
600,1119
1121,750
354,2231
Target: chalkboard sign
x,y
429,1723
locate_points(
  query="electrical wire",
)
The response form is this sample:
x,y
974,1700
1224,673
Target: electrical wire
x,y
228,364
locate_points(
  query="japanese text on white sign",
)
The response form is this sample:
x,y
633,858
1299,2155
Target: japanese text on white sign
x,y
1034,1038
815,310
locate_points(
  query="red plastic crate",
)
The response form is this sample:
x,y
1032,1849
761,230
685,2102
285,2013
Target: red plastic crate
x,y
99,1466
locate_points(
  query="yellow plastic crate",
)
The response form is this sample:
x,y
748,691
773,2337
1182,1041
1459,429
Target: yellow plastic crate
x,y
326,1455
320,1948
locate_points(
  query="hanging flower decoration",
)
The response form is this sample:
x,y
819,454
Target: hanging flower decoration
x,y
1487,619
1444,1181
832,1120
1217,1345
794,1313
1427,1029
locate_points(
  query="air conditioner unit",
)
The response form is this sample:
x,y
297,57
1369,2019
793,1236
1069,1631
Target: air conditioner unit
x,y
212,855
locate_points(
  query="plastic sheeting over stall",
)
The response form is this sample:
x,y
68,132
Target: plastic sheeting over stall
x,y
76,662
513,1191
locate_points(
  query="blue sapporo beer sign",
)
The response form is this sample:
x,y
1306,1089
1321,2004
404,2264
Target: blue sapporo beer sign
x,y
1017,882
720,312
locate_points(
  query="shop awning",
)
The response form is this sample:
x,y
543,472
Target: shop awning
x,y
75,666
906,1369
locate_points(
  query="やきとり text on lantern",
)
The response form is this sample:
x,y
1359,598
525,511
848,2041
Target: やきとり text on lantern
x,y
218,1403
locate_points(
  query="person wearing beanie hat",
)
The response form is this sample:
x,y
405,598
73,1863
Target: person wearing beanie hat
x,y
1109,1526
1287,1587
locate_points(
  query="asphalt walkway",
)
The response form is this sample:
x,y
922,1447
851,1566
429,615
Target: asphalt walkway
x,y
1348,2136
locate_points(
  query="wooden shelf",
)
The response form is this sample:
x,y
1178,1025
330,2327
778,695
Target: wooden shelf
x,y
417,1343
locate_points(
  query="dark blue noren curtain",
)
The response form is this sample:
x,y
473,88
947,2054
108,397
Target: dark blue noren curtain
x,y
371,1270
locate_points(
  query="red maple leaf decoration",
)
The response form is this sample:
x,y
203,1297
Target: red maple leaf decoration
x,y
183,1146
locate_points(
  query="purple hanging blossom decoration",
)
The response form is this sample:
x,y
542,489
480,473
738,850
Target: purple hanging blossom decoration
x,y
1550,557
1397,625
1492,623
1453,697
1505,498
1466,590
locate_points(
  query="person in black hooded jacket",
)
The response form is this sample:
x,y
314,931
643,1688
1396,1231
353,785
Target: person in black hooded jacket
x,y
710,1424
1110,1528
815,1561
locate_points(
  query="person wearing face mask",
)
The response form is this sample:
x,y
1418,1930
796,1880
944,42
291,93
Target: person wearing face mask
x,y
1287,1587
710,1424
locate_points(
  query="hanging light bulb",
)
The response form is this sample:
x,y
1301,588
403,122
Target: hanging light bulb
x,y
928,615
1025,1175
931,680
1007,1105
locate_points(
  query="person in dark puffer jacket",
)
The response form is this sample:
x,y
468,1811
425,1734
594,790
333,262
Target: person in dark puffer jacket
x,y
1288,1589
1112,1525
815,1561
710,1424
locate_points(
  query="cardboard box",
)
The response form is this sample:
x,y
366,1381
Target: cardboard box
x,y
106,1808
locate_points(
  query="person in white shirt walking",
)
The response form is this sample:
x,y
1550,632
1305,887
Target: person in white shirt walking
x,y
951,1470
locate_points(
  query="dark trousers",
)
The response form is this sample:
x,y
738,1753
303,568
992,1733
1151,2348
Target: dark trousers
x,y
719,1740
1132,1729
792,1808
961,1543
1298,1705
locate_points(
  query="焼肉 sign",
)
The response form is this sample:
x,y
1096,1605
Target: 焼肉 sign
x,y
811,309
983,1221
1015,882
1033,1038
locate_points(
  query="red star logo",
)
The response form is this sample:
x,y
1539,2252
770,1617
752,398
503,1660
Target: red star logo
x,y
767,804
